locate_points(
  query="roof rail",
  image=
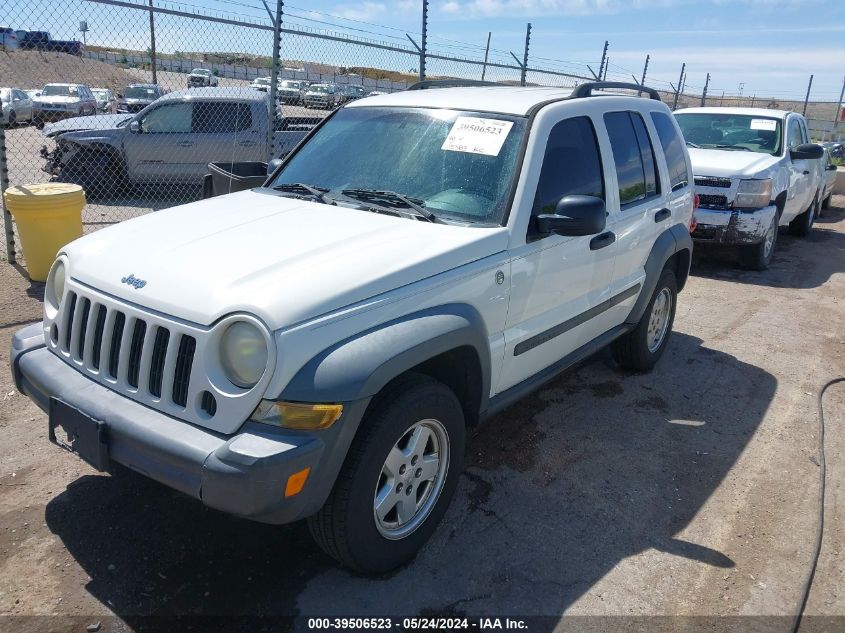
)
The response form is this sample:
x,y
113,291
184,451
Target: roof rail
x,y
449,83
586,90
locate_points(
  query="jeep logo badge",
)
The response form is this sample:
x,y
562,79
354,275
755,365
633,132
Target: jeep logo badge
x,y
133,281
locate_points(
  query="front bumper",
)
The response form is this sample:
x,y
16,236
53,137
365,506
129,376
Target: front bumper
x,y
53,115
733,226
242,474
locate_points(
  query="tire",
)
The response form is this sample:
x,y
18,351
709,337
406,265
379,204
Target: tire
x,y
759,256
347,527
639,350
98,173
12,119
826,202
802,224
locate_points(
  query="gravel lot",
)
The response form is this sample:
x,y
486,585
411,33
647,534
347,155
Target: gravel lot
x,y
689,491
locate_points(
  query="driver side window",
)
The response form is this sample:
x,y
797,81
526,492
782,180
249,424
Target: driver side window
x,y
168,119
795,138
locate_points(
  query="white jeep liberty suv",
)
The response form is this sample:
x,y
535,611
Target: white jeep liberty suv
x,y
318,346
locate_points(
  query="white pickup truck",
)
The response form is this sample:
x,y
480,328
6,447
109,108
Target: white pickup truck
x,y
317,347
755,170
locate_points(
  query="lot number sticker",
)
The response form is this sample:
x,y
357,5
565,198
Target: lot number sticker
x,y
764,124
477,136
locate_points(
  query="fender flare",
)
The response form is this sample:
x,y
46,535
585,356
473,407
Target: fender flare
x,y
673,240
362,365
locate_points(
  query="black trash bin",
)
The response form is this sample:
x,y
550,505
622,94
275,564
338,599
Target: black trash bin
x,y
231,177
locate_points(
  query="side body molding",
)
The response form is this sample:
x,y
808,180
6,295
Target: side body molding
x,y
360,366
674,239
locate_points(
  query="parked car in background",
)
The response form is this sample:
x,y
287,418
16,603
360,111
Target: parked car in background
x,y
8,39
351,92
106,100
136,97
42,41
202,77
59,101
260,83
322,96
16,106
33,92
171,141
291,91
837,150
829,177
755,170
425,260
376,93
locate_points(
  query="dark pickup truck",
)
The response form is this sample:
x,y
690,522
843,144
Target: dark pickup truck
x,y
41,41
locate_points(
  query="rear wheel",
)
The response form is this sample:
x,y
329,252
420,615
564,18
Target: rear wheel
x,y
398,479
802,224
759,256
826,202
640,349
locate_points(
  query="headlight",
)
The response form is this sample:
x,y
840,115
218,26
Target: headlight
x,y
243,354
56,284
753,194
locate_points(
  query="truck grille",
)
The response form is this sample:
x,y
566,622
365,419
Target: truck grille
x,y
711,201
720,183
137,352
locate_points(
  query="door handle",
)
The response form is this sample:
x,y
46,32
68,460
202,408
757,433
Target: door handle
x,y
600,241
185,143
806,172
661,215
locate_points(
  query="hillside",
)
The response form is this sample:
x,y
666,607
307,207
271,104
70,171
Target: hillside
x,y
33,69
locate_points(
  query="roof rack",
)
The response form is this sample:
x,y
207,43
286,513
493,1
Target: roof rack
x,y
586,90
450,83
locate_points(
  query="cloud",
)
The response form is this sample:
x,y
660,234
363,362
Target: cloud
x,y
363,11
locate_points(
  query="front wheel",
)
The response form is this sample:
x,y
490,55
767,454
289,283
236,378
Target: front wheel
x,y
640,349
759,256
398,479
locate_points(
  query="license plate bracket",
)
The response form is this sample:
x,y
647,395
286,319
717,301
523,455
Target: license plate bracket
x,y
79,433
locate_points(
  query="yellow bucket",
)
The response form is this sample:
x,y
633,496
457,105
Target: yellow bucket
x,y
48,216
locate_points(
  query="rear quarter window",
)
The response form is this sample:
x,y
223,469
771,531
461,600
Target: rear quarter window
x,y
673,150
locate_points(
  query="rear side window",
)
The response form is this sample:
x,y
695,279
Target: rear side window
x,y
571,165
673,150
633,157
221,117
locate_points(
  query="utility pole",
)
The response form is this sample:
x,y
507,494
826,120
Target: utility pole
x,y
486,53
603,58
807,98
424,39
704,92
525,55
678,88
753,99
722,99
606,65
274,73
153,42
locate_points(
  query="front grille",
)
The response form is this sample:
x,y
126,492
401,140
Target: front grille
x,y
712,201
720,183
145,356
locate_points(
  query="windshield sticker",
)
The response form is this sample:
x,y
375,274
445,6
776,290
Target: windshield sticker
x,y
764,124
477,136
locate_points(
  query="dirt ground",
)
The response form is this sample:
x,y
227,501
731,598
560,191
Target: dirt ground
x,y
688,491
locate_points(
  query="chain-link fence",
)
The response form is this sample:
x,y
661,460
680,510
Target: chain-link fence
x,y
160,89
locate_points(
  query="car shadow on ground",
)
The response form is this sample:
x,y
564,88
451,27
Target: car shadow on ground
x,y
598,466
798,262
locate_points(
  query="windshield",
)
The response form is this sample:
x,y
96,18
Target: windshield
x,y
460,165
262,81
138,92
291,84
99,93
739,132
200,71
318,89
57,90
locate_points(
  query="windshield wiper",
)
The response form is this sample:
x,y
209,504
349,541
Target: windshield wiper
x,y
312,191
743,148
392,199
693,145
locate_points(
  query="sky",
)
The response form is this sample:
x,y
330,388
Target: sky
x,y
764,47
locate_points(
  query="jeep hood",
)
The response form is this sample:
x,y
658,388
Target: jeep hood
x,y
282,259
731,163
79,123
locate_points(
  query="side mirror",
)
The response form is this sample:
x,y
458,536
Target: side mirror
x,y
273,165
808,151
574,215
135,127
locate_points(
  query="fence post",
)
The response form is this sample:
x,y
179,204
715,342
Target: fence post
x,y
678,89
525,55
4,184
424,40
704,92
807,98
645,69
274,75
153,42
486,53
603,57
